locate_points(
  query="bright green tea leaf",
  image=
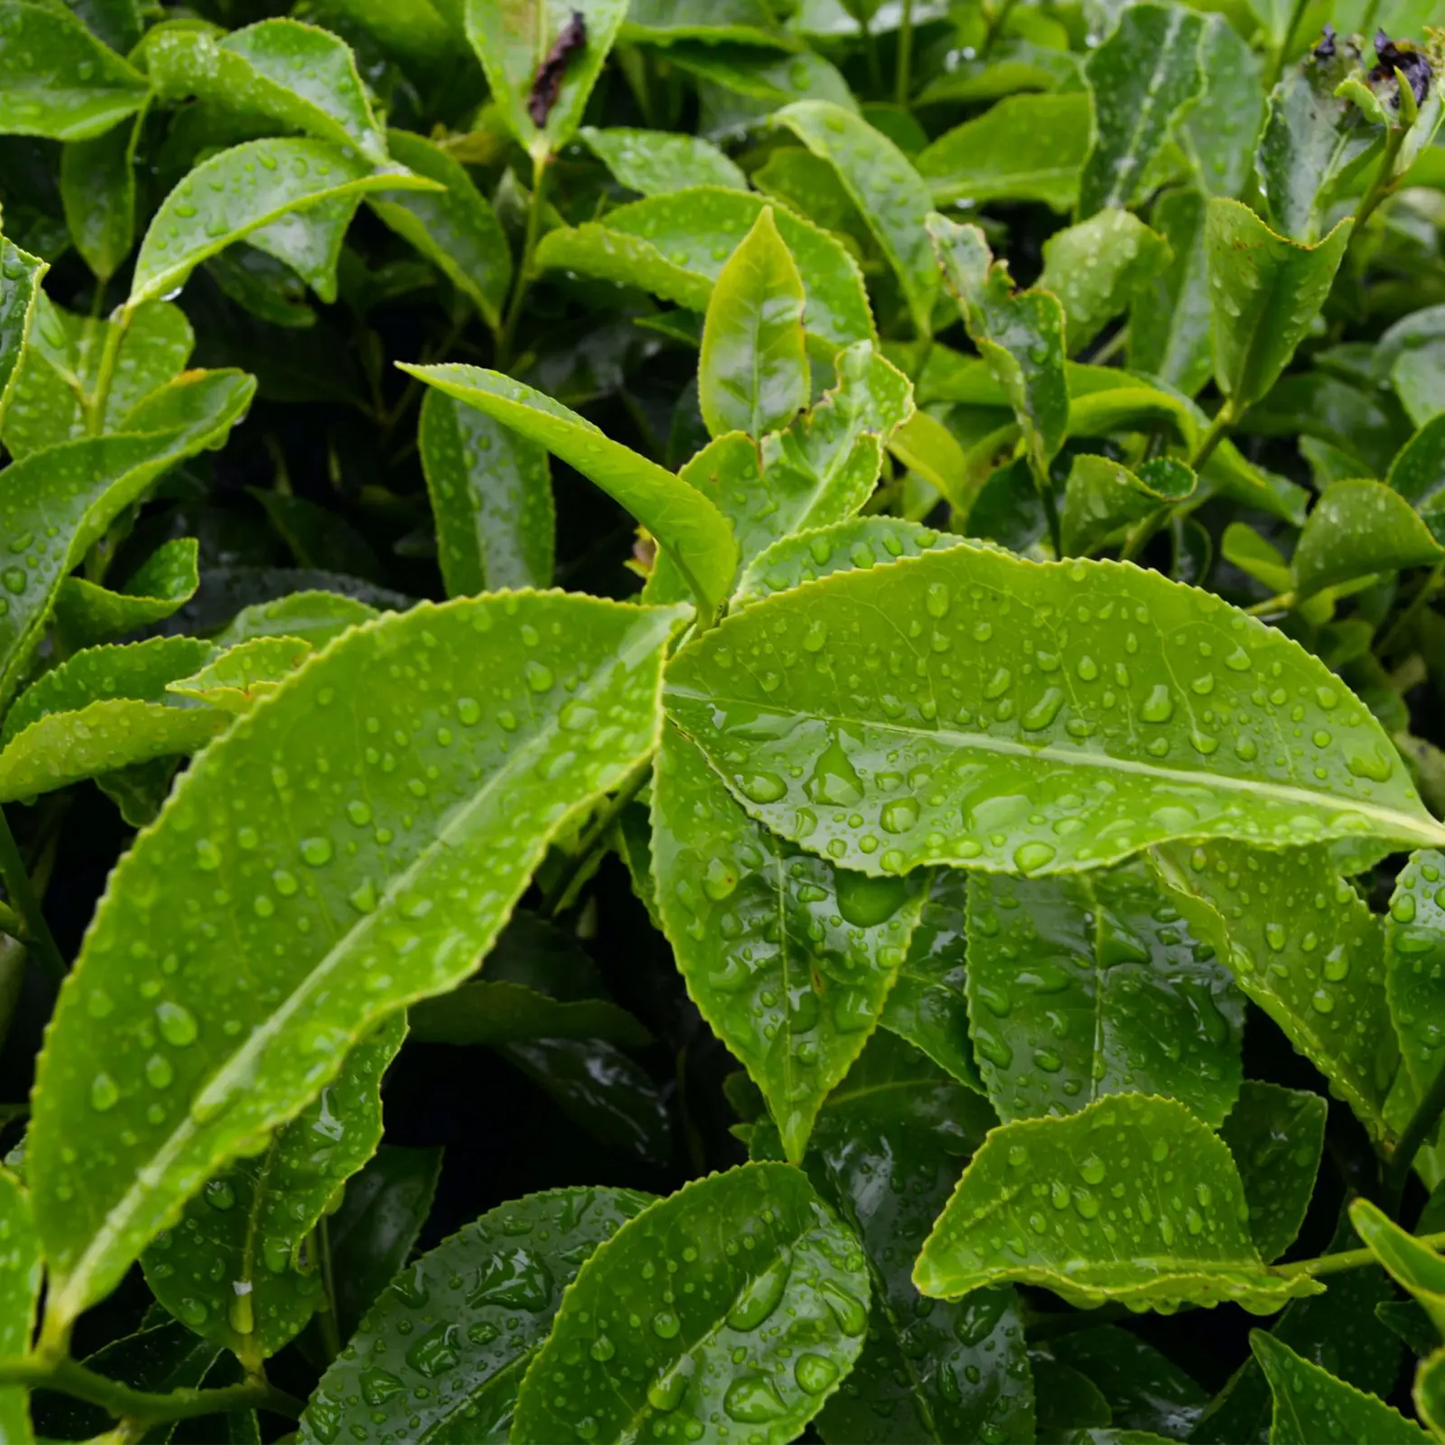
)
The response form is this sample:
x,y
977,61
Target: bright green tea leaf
x,y
235,1269
685,523
1357,529
1036,1207
1101,497
1169,316
1025,148
453,228
884,186
20,276
656,163
237,679
514,38
973,745
773,1250
56,79
1265,291
753,373
1304,946
1312,1407
1141,77
87,613
796,1003
1020,335
315,616
810,187
1414,951
665,22
1096,266
1091,985
1220,130
1430,1392
56,503
676,245
491,495
1277,1136
235,194
1412,1264
467,1350
555,674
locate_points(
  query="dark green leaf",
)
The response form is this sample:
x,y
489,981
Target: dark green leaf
x,y
1418,471
497,1012
446,1361
1038,1206
568,707
20,275
1092,985
57,79
788,958
97,189
1145,1389
753,374
491,495
769,1245
665,22
1141,77
1101,497
1276,1136
1169,318
1357,529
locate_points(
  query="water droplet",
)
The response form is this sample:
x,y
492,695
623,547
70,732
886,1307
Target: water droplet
x,y
177,1024
753,1400
1030,857
104,1093
514,1278
761,787
1158,707
665,1325
761,1297
316,851
814,1373
834,778
719,878
899,816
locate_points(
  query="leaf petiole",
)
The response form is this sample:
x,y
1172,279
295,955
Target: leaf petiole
x,y
506,338
1347,1259
1421,1125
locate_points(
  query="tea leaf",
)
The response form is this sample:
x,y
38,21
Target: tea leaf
x,y
1101,497
20,275
87,613
54,504
1082,987
884,186
1277,1136
297,76
56,79
515,40
1095,267
1429,1392
1169,315
491,1012
20,1274
770,1245
467,1352
665,22
1418,472
1265,292
237,1269
243,817
1409,1262
1356,529
684,522
235,194
753,374
237,679
1304,946
97,190
1145,1389
928,1005
1019,334
656,163
315,616
1312,1407
676,245
1141,77
454,228
491,495
1220,130
974,745
1025,148
795,1005
810,187
1034,1207
1414,950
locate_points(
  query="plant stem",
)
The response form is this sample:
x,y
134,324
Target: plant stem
x,y
1051,511
506,338
330,1326
995,26
1279,603
1384,182
630,787
27,905
1422,1124
1345,1259
72,1378
905,54
1219,428
105,373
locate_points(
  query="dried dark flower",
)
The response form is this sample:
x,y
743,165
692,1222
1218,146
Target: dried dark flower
x,y
549,74
1410,62
1325,50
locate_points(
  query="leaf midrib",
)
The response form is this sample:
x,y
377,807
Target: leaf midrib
x,y
71,1285
1405,826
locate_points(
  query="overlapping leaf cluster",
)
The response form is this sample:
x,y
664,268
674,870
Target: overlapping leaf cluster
x,y
933,830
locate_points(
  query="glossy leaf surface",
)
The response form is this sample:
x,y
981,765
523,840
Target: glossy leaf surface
x,y
753,374
487,1011
656,163
97,191
1305,948
20,275
491,495
1265,291
1414,952
56,79
1101,497
165,581
692,530
788,958
1220,129
466,1350
977,747
888,192
1141,77
236,1269
775,1254
1415,1266
1038,1206
568,707
1169,320
1277,1136
1358,528
1084,986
